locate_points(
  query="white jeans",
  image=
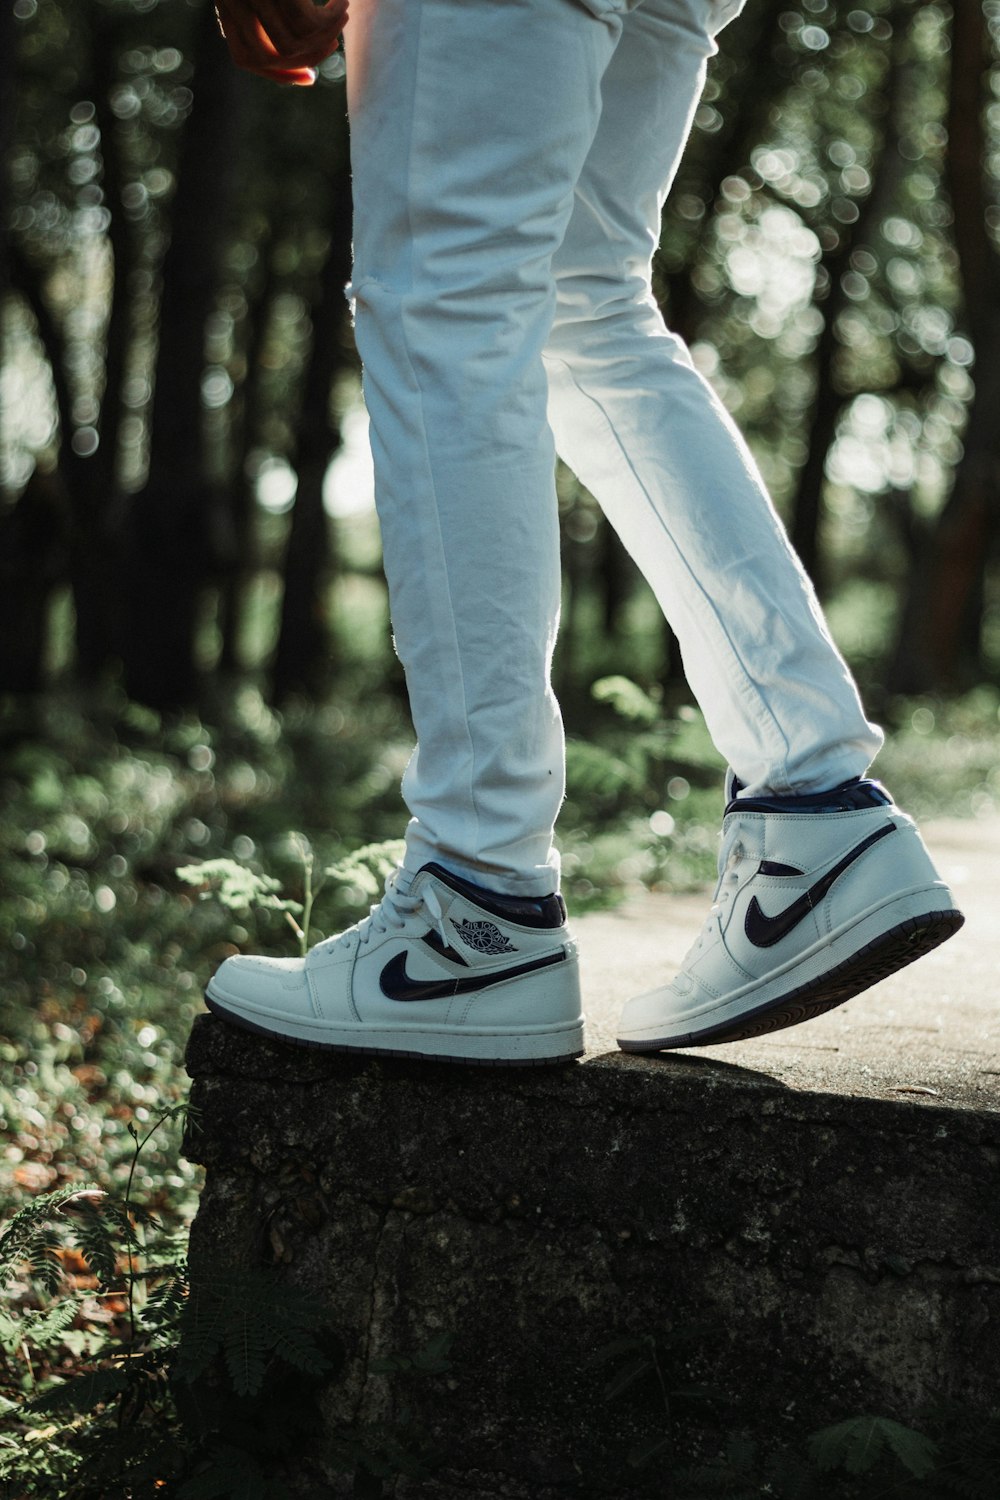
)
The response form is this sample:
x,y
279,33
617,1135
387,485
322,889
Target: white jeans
x,y
510,160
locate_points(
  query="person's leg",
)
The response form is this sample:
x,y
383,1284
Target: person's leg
x,y
471,120
648,436
824,888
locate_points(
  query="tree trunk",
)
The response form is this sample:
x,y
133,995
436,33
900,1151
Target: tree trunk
x,y
303,658
7,42
32,560
939,646
241,490
168,526
95,563
807,508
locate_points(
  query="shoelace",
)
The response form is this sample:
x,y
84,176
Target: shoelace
x,y
729,879
395,909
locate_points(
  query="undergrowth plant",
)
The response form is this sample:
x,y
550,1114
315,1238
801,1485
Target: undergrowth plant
x,y
241,889
122,1378
94,1293
953,1455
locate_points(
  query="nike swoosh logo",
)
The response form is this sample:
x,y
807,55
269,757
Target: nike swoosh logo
x,y
396,984
764,931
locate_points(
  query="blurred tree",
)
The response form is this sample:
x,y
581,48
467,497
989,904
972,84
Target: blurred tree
x,y
176,238
940,643
304,656
167,554
238,547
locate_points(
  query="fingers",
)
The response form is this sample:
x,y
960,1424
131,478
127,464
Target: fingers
x,y
284,40
293,25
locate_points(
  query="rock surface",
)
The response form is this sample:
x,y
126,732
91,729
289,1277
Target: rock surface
x,y
805,1257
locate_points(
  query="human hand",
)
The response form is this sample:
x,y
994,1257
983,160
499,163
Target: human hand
x,y
284,40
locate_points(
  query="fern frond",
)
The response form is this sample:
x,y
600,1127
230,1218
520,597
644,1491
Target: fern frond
x,y
590,768
28,1224
96,1243
44,1327
231,1473
300,1350
368,867
83,1393
201,1330
858,1444
245,1345
627,699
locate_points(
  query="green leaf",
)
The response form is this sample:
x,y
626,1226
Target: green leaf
x,y
592,769
627,699
858,1444
83,1393
236,887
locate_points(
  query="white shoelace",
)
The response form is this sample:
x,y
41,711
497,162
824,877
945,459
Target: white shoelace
x,y
729,879
395,909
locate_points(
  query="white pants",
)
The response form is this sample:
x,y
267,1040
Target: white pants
x,y
511,158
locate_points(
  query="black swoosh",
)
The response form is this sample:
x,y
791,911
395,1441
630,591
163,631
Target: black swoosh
x,y
396,984
764,931
434,941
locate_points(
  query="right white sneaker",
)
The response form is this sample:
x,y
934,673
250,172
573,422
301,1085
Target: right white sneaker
x,y
818,898
440,969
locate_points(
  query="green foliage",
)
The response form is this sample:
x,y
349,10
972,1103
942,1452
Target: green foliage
x,y
951,1454
627,698
860,1444
228,1472
249,1321
236,886
242,1358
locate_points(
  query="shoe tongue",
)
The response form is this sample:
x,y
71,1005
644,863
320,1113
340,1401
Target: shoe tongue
x,y
526,911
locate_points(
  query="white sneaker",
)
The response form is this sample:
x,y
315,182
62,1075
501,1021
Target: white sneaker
x,y
818,898
440,969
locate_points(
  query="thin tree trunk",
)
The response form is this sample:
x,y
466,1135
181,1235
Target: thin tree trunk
x,y
241,491
7,41
168,525
939,646
95,561
747,117
829,399
304,654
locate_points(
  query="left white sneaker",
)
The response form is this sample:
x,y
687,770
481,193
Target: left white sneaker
x,y
439,969
818,898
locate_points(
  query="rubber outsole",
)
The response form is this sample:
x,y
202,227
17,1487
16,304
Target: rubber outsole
x,y
887,954
469,1062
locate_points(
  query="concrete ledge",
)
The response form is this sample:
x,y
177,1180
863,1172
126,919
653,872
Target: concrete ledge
x,y
806,1256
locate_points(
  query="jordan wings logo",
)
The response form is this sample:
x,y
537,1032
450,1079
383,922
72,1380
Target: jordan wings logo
x,y
484,937
764,931
396,984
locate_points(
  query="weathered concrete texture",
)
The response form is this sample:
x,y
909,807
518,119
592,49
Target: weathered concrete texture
x,y
807,1257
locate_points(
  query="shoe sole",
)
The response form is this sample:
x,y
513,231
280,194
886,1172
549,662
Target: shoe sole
x,y
884,955
428,1053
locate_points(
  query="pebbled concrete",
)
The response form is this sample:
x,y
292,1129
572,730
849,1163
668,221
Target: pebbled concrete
x,y
929,1035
